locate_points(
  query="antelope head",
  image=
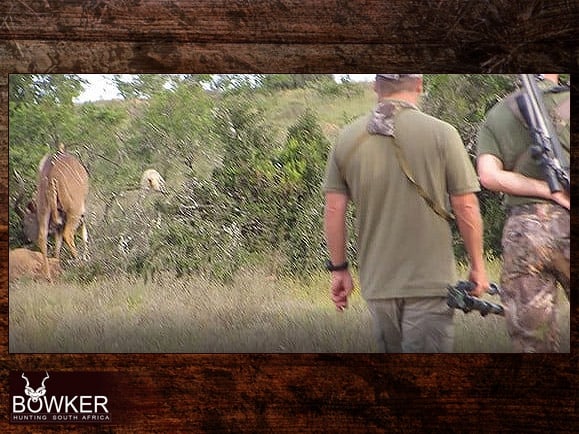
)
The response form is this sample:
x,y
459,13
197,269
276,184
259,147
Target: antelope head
x,y
35,395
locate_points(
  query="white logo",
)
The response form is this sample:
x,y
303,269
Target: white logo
x,y
36,406
35,395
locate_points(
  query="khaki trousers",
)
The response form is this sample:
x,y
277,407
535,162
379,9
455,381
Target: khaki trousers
x,y
413,325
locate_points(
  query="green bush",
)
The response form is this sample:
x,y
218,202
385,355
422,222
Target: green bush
x,y
243,156
463,101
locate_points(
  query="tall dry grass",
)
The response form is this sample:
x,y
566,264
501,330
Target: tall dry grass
x,y
255,313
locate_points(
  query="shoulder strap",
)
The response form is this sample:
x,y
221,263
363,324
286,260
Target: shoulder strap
x,y
561,110
429,201
406,170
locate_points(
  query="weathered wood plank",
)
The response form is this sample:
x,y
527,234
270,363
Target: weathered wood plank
x,y
24,56
309,391
160,57
292,21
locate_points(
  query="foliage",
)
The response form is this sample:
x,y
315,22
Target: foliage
x,y
174,127
141,85
273,82
300,165
42,115
463,101
243,157
199,236
275,189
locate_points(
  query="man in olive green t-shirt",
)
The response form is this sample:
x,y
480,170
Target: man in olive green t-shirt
x,y
536,235
405,245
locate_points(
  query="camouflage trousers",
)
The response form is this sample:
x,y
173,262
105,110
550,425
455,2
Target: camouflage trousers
x,y
536,255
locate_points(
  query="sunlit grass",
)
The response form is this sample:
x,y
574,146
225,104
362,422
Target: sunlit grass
x,y
331,111
257,312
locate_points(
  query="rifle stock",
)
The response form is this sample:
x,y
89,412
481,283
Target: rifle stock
x,y
459,298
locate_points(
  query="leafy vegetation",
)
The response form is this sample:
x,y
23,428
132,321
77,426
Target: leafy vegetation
x,y
239,225
243,157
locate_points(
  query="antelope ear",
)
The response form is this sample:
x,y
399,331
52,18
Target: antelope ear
x,y
31,207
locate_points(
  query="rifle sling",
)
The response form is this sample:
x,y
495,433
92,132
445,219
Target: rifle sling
x,y
421,192
440,211
561,111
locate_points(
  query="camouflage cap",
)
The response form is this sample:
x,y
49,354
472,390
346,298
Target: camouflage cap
x,y
398,76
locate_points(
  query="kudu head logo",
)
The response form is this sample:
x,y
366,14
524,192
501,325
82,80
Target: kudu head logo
x,y
35,395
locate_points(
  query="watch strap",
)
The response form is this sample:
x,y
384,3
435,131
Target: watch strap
x,y
338,267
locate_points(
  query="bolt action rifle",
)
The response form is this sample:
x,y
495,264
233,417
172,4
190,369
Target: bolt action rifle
x,y
547,149
459,298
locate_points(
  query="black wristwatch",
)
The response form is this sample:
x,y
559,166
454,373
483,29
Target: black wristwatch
x,y
340,267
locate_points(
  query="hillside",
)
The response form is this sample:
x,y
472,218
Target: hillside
x,y
228,258
243,165
185,134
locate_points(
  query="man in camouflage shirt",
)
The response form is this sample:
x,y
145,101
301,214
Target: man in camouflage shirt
x,y
536,235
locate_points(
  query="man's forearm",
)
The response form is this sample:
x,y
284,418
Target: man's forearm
x,y
513,183
493,177
335,230
470,226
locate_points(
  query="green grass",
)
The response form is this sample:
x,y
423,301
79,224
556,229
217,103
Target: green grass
x,y
257,312
333,112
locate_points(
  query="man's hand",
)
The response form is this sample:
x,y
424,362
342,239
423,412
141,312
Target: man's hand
x,y
341,288
562,199
480,279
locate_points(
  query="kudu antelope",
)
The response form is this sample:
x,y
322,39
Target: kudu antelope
x,y
27,263
60,205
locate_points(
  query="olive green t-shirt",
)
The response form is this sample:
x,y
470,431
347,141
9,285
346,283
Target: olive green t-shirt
x,y
506,137
405,249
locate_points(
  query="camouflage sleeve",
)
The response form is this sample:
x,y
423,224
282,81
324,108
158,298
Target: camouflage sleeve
x,y
460,174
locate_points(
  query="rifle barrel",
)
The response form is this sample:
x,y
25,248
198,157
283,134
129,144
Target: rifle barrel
x,y
545,136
